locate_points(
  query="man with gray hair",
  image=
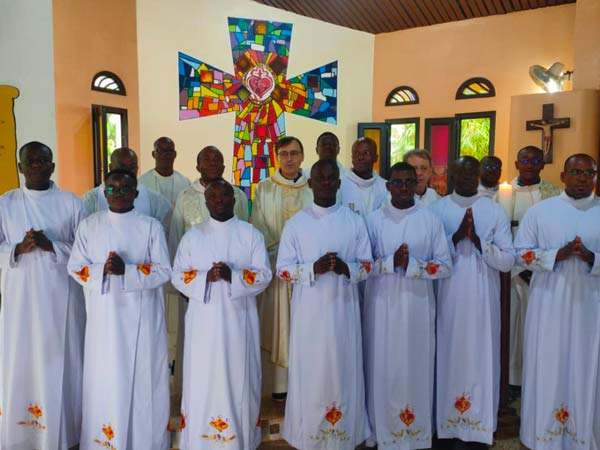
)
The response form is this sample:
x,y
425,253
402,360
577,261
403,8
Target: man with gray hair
x,y
420,159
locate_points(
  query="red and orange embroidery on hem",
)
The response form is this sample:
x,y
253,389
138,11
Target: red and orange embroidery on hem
x,y
145,268
562,416
108,431
220,425
462,404
83,274
333,415
249,276
407,416
37,413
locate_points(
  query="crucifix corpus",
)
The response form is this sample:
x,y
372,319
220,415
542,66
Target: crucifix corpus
x,y
546,126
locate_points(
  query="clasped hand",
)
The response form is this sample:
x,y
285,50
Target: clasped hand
x,y
401,257
34,239
219,271
114,264
330,262
466,230
576,249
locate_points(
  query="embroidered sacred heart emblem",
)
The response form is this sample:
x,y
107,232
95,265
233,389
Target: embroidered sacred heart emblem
x,y
333,415
259,81
219,424
407,416
562,415
462,404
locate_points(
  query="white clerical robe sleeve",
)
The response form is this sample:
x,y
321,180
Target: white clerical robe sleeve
x,y
498,252
161,208
80,266
7,250
252,280
361,267
62,250
289,266
439,266
187,278
530,255
156,270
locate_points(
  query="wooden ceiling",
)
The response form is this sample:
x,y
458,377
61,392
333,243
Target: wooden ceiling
x,y
382,16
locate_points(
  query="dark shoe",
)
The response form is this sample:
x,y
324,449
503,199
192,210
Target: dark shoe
x,y
279,396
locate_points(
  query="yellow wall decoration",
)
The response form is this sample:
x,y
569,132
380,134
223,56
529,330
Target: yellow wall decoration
x,y
9,177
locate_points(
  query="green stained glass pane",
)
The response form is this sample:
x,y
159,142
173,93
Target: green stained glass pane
x,y
475,137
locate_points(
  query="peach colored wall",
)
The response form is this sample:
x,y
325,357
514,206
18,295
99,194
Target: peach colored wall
x,y
436,60
587,45
582,106
89,37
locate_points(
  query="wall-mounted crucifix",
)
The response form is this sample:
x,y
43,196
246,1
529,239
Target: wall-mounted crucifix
x,y
546,126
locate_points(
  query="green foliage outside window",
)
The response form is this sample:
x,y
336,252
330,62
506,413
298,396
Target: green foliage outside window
x,y
475,137
402,140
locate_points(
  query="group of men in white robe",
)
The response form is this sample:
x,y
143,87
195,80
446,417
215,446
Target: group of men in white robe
x,y
355,373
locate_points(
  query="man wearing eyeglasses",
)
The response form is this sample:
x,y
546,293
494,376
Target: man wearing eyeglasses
x,y
528,189
489,180
42,316
362,189
164,179
276,200
558,240
410,251
147,202
120,258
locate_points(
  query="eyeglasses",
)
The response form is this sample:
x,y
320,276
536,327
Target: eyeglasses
x,y
111,190
491,167
588,173
403,182
292,154
534,161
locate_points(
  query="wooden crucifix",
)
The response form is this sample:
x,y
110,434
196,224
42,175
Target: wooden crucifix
x,y
547,125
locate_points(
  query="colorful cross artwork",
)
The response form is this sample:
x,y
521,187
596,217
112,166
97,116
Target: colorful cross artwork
x,y
258,92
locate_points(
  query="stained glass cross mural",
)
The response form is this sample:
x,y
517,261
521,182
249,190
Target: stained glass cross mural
x,y
259,93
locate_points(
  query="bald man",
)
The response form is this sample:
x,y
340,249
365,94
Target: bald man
x,y
147,202
164,179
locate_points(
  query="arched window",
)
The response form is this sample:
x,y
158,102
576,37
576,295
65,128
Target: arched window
x,y
476,88
108,82
402,95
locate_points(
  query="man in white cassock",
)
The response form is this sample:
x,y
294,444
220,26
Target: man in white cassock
x,y
361,189
120,258
325,252
528,189
190,209
276,200
558,240
221,265
420,159
147,202
164,179
328,147
42,317
489,177
468,309
410,250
